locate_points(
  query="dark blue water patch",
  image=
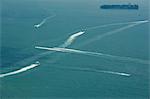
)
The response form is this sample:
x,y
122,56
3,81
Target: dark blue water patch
x,y
10,55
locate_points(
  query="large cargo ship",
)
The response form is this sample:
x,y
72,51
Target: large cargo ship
x,y
124,6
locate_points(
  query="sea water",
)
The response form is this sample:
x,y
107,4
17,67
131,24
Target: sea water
x,y
49,23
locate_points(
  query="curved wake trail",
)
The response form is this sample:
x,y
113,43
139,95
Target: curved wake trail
x,y
95,70
66,50
43,21
113,24
72,38
20,70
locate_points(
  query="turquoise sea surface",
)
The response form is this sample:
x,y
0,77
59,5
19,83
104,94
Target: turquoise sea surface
x,y
122,48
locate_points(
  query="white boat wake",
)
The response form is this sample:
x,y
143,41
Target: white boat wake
x,y
43,21
94,70
121,58
72,38
20,70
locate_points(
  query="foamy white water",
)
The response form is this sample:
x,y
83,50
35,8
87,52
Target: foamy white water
x,y
72,38
20,70
66,50
43,21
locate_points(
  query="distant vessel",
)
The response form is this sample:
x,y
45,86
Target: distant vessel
x,y
124,6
